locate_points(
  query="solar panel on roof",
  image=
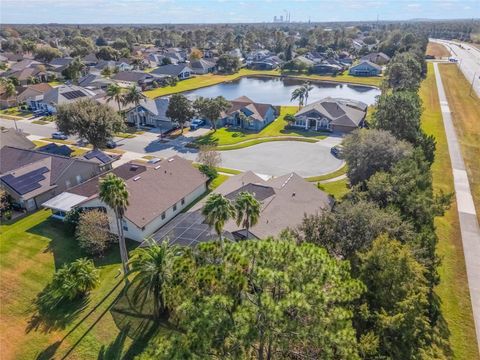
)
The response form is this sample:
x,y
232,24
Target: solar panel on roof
x,y
70,95
26,183
104,158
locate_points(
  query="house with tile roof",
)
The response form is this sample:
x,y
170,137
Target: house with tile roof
x,y
157,193
332,114
32,177
246,114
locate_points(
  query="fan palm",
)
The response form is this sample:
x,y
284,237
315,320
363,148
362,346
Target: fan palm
x,y
113,192
151,268
298,94
114,92
134,96
217,211
248,210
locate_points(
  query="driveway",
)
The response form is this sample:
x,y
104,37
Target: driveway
x,y
281,157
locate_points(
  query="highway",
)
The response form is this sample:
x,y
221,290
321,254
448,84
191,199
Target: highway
x,y
468,58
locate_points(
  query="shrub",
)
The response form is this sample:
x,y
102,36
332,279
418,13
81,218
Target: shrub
x,y
93,233
69,283
209,171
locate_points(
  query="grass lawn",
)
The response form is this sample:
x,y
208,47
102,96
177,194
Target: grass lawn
x,y
76,150
55,83
335,188
453,289
437,50
212,79
465,109
30,251
16,112
339,172
278,128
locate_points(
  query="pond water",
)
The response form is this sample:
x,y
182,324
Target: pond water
x,y
278,91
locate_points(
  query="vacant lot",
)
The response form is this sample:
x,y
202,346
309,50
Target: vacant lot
x,y
453,289
465,109
30,251
437,50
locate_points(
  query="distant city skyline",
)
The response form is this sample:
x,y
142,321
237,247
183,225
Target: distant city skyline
x,y
229,11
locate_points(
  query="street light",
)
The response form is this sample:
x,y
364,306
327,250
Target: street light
x,y
471,85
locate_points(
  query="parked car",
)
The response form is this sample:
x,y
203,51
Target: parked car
x,y
59,135
337,151
453,60
195,124
111,144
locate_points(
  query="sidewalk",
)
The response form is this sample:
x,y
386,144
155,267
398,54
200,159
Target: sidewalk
x,y
469,227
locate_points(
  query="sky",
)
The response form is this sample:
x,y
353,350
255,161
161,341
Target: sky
x,y
228,11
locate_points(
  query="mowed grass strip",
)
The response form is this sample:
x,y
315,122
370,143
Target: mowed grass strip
x,y
453,288
31,249
465,107
200,81
437,50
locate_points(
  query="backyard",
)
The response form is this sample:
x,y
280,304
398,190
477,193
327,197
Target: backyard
x,y
30,251
453,290
212,79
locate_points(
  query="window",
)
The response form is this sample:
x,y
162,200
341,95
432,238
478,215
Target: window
x,y
183,201
124,225
175,207
300,122
163,215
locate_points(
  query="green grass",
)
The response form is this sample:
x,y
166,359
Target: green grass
x,y
30,251
55,83
278,128
337,189
39,122
66,142
264,140
16,112
336,173
76,150
453,288
213,79
228,171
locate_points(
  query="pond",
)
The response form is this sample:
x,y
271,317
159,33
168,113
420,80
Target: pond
x,y
278,91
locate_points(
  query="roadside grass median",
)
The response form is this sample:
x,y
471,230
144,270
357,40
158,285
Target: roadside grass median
x,y
453,291
339,172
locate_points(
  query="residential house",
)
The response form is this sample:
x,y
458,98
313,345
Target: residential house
x,y
56,149
268,63
325,68
284,201
15,138
150,113
60,62
94,81
90,59
181,71
157,193
32,92
32,177
103,159
237,53
64,94
202,66
138,78
365,68
378,58
248,115
332,114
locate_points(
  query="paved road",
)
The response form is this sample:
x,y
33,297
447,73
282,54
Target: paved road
x,y
281,157
469,227
273,158
469,60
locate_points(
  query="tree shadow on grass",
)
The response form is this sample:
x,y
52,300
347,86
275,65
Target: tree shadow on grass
x,y
441,327
59,317
65,248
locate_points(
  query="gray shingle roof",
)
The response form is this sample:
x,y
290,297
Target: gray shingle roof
x,y
172,70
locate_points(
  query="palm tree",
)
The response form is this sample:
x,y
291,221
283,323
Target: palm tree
x,y
217,211
298,94
114,193
134,96
152,269
306,90
114,92
248,210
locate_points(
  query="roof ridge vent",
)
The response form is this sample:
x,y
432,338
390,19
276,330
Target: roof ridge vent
x,y
157,167
170,160
136,178
286,181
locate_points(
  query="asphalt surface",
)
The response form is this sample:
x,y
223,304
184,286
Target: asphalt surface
x,y
271,158
282,157
469,227
468,58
